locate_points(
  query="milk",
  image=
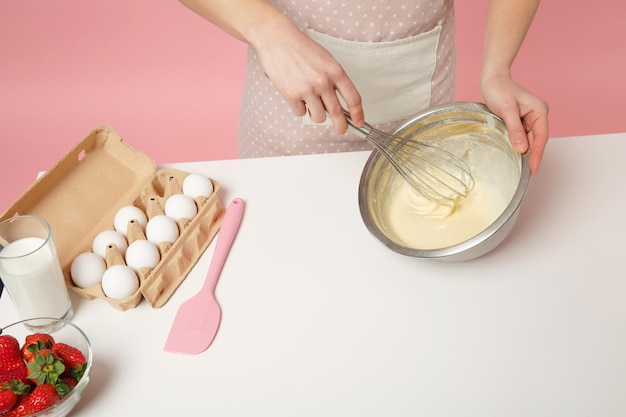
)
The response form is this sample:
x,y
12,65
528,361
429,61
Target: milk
x,y
33,279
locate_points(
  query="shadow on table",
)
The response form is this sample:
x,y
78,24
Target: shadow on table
x,y
99,377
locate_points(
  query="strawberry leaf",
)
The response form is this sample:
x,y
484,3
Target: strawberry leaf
x,y
45,369
62,389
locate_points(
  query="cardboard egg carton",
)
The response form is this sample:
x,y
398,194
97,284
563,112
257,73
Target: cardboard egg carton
x,y
80,195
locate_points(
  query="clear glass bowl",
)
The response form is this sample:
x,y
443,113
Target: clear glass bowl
x,y
66,332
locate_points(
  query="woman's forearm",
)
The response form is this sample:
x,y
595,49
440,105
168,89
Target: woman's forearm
x,y
305,74
525,114
506,27
251,21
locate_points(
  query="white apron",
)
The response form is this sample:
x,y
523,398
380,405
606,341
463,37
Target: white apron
x,y
399,54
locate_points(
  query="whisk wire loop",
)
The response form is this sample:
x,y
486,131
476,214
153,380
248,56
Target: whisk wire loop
x,y
438,175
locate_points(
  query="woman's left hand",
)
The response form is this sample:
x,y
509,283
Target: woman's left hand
x,y
525,115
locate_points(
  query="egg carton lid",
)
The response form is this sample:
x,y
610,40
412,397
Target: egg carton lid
x,y
81,193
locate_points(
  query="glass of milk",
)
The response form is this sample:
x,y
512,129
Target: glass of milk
x,y
31,272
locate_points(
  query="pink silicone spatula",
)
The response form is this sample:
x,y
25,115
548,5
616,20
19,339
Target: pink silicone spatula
x,y
198,318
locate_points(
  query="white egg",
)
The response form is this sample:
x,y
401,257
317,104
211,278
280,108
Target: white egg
x,y
162,228
180,206
107,237
126,214
119,281
197,185
142,253
87,269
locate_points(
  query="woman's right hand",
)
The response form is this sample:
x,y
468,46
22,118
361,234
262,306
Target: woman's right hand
x,y
308,76
305,73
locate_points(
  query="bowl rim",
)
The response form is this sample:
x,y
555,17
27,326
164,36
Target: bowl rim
x,y
81,385
468,244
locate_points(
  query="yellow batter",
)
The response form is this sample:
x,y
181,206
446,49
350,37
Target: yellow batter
x,y
421,224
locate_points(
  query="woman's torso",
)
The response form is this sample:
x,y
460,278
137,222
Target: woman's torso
x,y
267,126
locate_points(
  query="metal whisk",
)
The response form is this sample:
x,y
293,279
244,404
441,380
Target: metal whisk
x,y
435,173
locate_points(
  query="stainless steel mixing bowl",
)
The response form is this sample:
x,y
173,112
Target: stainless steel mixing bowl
x,y
472,120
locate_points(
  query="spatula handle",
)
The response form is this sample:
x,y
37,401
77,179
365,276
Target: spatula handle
x,y
225,238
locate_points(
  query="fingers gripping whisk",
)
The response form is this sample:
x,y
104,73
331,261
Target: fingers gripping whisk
x,y
438,175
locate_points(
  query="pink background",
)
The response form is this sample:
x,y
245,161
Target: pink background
x,y
170,83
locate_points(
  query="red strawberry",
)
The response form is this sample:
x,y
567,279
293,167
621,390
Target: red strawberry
x,y
73,359
19,410
42,352
69,381
10,354
40,398
7,400
35,342
19,374
9,394
45,367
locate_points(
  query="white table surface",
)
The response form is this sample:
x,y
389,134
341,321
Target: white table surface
x,y
320,319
